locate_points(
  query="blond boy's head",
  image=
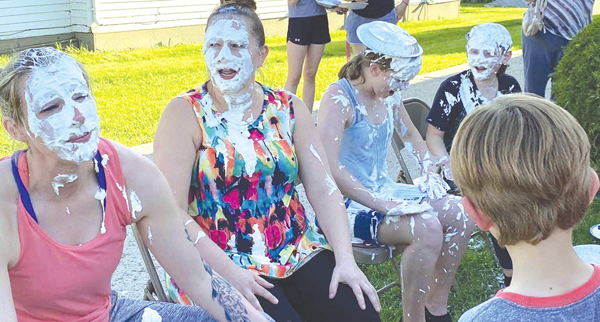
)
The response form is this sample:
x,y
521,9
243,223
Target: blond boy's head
x,y
524,162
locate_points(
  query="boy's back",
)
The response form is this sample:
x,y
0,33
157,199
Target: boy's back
x,y
523,165
581,304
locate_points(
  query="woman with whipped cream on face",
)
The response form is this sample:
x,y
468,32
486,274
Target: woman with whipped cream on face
x,y
357,117
488,52
231,150
65,203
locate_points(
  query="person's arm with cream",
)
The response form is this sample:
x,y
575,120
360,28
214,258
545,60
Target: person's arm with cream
x,y
326,200
435,144
177,139
430,182
9,239
335,114
160,226
412,139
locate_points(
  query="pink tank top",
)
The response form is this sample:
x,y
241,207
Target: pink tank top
x,y
57,282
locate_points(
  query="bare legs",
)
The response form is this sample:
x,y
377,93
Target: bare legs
x,y
437,241
457,232
423,234
357,49
309,57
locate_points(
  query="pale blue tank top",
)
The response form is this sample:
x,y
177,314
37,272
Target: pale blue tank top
x,y
363,151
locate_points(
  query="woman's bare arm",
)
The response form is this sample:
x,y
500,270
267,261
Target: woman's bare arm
x,y
9,239
162,230
176,142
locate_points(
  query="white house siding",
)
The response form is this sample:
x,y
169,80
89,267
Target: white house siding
x,y
126,15
271,9
35,18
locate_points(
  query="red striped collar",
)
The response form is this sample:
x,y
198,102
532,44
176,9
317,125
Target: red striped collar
x,y
555,301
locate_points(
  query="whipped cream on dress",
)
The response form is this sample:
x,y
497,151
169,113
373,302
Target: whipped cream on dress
x,y
61,110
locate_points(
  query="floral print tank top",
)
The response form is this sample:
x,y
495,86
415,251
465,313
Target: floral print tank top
x,y
242,191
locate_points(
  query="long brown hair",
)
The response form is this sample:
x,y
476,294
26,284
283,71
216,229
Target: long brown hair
x,y
353,69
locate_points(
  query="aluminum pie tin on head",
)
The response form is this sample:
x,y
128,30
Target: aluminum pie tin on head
x,y
388,39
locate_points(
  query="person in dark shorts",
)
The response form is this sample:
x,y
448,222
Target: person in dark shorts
x,y
489,50
377,10
308,32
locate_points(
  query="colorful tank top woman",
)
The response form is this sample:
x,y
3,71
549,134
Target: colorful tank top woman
x,y
242,191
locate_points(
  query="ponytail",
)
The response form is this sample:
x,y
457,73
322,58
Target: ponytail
x,y
353,69
246,9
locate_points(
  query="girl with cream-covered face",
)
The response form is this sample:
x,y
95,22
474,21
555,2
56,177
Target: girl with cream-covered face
x,y
357,118
488,51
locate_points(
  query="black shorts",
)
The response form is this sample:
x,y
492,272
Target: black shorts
x,y
309,30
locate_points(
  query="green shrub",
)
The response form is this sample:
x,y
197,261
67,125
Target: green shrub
x,y
576,83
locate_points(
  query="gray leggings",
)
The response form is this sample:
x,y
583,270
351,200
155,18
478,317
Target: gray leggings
x,y
129,310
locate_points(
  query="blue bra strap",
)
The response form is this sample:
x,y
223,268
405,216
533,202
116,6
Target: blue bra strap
x,y
101,174
23,193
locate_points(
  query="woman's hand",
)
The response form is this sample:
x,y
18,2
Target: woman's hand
x,y
339,10
346,271
250,285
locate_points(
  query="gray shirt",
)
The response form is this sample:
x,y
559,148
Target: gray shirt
x,y
581,304
566,18
306,8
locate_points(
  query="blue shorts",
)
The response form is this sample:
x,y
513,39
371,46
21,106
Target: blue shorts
x,y
364,222
354,20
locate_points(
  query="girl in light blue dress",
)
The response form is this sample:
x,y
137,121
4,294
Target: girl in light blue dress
x,y
357,117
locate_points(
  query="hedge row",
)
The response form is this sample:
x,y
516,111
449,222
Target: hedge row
x,y
576,83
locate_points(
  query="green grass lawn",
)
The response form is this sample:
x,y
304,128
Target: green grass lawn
x,y
133,86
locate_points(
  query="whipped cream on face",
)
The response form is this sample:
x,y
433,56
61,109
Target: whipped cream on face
x,y
403,70
486,45
61,110
227,55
